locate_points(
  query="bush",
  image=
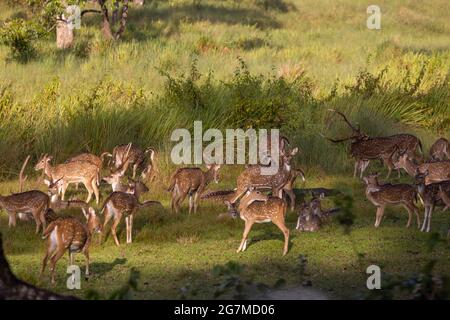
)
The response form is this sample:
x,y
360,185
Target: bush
x,y
19,35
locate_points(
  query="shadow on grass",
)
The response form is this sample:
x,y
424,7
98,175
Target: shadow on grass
x,y
101,268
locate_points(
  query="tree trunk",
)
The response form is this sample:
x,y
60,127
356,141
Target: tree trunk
x,y
64,34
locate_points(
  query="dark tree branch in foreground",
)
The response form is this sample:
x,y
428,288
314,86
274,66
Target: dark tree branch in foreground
x,y
12,288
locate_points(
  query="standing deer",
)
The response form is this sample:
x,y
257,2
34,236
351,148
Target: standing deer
x,y
34,202
133,154
364,148
126,204
440,150
69,234
72,172
252,177
431,195
92,158
289,186
437,171
254,207
192,182
382,195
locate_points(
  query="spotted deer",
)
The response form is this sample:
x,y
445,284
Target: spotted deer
x,y
58,204
289,186
252,177
440,150
191,182
255,207
127,204
445,196
69,234
135,155
32,202
431,195
311,216
72,172
92,158
383,195
437,171
364,148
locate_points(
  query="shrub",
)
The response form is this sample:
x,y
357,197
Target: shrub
x,y
19,35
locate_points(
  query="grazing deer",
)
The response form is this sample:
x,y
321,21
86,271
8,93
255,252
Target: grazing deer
x,y
133,154
71,235
364,148
126,204
440,150
382,195
254,207
289,186
192,182
34,202
58,204
72,172
437,171
252,177
431,195
311,216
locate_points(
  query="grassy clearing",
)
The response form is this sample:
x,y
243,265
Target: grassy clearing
x,y
172,252
178,62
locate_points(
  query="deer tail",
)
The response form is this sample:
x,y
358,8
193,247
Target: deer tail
x,y
52,226
149,203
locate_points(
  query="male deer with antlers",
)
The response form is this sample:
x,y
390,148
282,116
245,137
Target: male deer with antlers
x,y
192,182
135,156
364,148
72,172
255,207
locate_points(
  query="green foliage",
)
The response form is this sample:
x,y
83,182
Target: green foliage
x,y
18,35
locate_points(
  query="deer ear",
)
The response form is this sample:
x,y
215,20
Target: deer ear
x,y
92,211
294,151
47,182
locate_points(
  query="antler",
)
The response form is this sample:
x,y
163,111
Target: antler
x,y
345,119
21,178
336,140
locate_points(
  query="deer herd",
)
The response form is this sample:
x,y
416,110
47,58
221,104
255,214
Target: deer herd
x,y
257,198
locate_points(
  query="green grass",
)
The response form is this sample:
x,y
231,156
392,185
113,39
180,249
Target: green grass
x,y
178,62
173,251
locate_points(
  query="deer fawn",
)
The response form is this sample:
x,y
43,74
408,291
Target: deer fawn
x,y
34,202
133,154
255,207
71,235
311,216
382,195
126,204
192,182
440,150
437,171
72,172
251,177
430,194
364,148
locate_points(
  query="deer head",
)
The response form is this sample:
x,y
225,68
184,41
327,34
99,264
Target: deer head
x,y
43,162
356,131
214,168
93,222
286,158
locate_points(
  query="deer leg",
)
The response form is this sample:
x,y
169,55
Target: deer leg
x,y
37,219
95,188
248,226
131,228
355,170
88,186
71,258
291,195
429,217
63,190
363,166
59,253
180,200
196,202
51,247
12,219
410,212
127,228
190,203
114,227
108,216
86,255
280,224
76,185
425,218
238,193
379,216
134,169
